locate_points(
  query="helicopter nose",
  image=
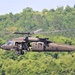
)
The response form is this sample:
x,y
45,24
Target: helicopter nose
x,y
2,46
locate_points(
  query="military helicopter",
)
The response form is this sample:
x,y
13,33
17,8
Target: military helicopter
x,y
35,44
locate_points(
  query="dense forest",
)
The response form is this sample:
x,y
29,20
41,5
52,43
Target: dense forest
x,y
39,63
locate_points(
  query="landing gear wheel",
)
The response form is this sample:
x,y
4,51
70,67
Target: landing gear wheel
x,y
20,52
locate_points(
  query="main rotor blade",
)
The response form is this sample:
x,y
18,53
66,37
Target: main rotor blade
x,y
54,31
21,33
6,32
37,31
28,32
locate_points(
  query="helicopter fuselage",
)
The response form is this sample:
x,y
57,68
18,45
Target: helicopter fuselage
x,y
35,45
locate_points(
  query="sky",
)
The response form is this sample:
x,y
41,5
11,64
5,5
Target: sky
x,y
16,6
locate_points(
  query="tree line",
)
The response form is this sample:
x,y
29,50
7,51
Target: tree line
x,y
30,20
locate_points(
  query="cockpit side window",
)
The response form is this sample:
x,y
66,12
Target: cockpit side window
x,y
9,43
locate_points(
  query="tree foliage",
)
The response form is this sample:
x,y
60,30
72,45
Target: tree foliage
x,y
34,63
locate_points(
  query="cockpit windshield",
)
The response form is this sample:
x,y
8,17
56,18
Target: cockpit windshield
x,y
9,43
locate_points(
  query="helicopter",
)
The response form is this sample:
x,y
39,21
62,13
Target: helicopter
x,y
35,44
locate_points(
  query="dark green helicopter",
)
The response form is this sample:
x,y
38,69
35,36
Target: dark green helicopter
x,y
35,44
